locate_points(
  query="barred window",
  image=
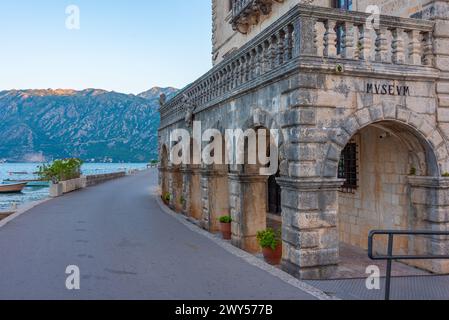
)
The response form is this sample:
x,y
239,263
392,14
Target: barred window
x,y
347,168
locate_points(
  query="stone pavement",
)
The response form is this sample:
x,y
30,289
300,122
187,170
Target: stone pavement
x,y
126,248
403,288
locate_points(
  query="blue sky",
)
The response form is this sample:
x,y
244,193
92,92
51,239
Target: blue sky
x,y
123,45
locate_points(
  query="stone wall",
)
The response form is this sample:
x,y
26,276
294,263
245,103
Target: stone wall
x,y
93,180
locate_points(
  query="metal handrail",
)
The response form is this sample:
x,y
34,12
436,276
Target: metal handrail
x,y
390,256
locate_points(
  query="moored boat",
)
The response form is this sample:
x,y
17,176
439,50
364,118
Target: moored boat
x,y
12,188
30,183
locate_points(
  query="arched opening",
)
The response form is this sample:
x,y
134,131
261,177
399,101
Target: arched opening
x,y
214,183
260,192
376,166
194,185
177,198
164,168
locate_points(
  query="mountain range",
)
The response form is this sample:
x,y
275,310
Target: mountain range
x,y
94,125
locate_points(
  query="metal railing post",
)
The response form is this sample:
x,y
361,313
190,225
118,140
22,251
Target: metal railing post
x,y
390,257
389,266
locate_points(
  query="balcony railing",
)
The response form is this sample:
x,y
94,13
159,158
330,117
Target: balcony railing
x,y
308,35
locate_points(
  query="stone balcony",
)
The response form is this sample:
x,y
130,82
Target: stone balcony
x,y
306,39
247,12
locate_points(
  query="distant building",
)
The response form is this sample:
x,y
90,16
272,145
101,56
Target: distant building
x,y
362,107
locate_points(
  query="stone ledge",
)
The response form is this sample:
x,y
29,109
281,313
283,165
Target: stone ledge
x,y
310,184
429,182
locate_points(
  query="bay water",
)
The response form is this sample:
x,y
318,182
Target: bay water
x,y
26,171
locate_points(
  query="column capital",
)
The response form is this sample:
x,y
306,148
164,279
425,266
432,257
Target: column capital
x,y
310,184
247,177
210,172
172,168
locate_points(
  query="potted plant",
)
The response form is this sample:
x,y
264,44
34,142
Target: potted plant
x,y
225,224
271,244
166,197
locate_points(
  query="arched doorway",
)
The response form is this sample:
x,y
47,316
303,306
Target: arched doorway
x,y
376,166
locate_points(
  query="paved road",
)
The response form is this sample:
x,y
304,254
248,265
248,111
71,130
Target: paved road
x,y
126,248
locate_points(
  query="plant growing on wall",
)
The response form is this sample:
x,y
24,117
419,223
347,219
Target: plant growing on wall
x,y
412,171
61,170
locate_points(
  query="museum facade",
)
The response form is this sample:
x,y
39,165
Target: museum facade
x,y
361,104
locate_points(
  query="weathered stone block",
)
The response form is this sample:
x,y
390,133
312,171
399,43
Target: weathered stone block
x,y
313,220
306,258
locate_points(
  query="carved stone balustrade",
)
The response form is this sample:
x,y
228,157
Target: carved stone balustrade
x,y
310,38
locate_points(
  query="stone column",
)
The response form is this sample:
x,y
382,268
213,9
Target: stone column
x,y
248,205
430,211
436,54
163,180
214,197
186,203
175,188
309,226
195,194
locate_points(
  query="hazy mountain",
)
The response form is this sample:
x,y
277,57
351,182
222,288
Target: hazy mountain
x,y
154,93
90,124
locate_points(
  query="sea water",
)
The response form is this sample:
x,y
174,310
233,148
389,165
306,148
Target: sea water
x,y
27,171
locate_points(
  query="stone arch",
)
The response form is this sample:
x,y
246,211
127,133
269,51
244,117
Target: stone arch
x,y
262,119
390,142
417,125
249,196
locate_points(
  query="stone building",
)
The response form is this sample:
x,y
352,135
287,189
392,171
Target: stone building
x,y
362,106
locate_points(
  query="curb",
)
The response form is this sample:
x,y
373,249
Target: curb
x,y
252,260
24,209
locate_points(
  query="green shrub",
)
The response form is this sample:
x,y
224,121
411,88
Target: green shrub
x,y
225,219
269,238
61,170
166,197
446,175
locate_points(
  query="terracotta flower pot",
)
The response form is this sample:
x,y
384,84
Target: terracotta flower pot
x,y
226,230
271,256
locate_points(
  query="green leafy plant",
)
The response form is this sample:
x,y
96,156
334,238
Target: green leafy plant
x,y
225,219
182,200
339,68
269,238
446,175
61,170
413,171
166,197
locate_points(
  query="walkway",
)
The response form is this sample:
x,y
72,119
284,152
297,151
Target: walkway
x,y
126,248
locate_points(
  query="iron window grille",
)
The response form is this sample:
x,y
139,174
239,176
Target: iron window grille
x,y
348,168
